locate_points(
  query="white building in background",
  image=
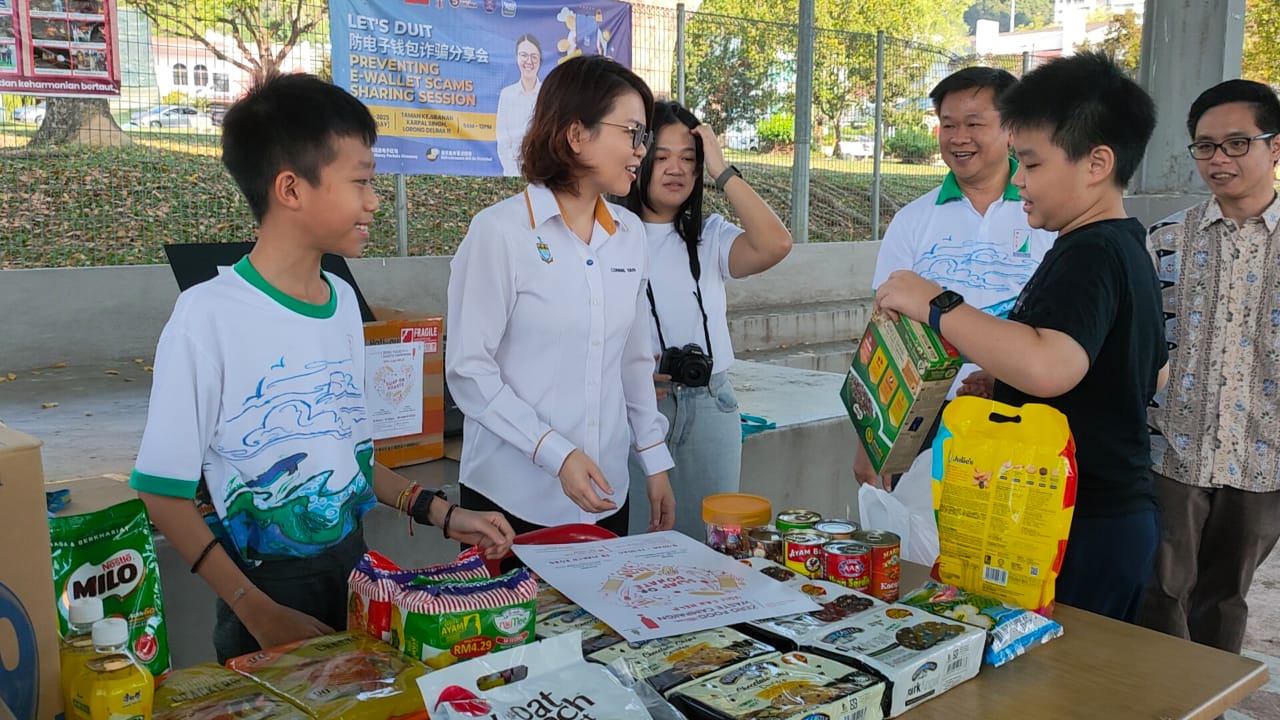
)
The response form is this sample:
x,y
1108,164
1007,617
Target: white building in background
x,y
1063,8
1042,43
188,66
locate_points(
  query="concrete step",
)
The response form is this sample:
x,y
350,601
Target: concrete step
x,y
798,324
832,357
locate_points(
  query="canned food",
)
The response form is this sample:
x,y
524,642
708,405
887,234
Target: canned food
x,y
836,529
789,520
885,563
848,563
804,552
766,543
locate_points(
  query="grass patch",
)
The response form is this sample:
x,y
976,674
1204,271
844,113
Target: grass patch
x,y
84,206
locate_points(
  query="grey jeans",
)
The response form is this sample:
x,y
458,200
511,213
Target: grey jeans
x,y
1211,542
705,439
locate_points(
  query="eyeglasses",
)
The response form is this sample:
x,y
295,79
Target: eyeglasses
x,y
528,57
640,137
1231,147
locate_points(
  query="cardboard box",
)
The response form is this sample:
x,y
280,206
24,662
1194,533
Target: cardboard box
x,y
393,386
895,388
29,675
91,494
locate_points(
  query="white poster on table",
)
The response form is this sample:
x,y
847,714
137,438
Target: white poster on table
x,y
393,389
660,584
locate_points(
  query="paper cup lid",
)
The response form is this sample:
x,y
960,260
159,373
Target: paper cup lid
x,y
737,509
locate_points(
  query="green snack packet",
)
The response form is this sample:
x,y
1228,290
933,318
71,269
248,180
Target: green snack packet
x,y
441,623
110,554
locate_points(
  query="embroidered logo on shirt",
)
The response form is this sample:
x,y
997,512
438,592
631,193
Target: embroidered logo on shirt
x,y
622,270
544,252
1022,243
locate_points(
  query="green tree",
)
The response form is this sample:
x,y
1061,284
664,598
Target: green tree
x,y
1123,41
1026,13
1262,42
262,32
735,69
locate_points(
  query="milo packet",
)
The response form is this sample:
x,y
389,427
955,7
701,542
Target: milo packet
x,y
441,623
109,554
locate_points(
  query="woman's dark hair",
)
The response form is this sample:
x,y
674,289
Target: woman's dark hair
x,y
583,89
688,220
529,39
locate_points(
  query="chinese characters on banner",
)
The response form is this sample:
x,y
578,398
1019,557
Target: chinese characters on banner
x,y
453,83
59,47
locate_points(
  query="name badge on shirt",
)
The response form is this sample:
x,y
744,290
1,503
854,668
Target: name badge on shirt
x,y
1022,243
544,252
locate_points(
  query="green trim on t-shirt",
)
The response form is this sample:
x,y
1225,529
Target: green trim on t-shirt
x,y
246,270
951,189
169,487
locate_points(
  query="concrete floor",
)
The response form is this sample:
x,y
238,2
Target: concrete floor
x,y
90,418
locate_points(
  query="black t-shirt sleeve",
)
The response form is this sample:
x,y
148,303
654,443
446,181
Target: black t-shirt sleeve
x,y
1077,295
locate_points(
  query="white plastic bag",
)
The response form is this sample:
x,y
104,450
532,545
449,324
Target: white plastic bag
x,y
907,511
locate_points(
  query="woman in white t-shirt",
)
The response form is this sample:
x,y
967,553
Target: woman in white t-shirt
x,y
688,322
515,103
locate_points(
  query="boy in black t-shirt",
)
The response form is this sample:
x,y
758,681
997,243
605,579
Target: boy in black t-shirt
x,y
1086,335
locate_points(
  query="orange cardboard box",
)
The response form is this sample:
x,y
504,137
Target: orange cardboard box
x,y
29,675
397,327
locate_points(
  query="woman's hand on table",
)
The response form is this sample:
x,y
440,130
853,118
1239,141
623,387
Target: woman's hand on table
x,y
489,530
273,624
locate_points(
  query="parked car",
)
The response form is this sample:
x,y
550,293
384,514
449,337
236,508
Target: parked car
x,y
33,114
171,116
742,137
858,147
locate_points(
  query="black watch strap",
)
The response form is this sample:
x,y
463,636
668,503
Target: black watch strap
x,y
421,510
724,177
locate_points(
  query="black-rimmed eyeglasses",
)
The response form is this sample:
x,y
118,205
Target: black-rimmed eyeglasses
x,y
1231,147
640,137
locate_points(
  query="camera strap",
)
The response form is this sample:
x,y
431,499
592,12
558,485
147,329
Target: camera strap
x,y
695,269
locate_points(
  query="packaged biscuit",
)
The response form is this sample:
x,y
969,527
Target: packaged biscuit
x,y
443,622
790,686
596,635
667,663
550,599
375,581
788,632
1004,492
921,655
895,387
109,554
1011,631
212,692
348,675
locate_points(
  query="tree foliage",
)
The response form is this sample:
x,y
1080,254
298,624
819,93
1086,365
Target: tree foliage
x,y
262,33
1262,42
1123,41
1026,13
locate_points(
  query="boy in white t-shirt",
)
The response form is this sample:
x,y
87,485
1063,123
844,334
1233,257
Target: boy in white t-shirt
x,y
258,395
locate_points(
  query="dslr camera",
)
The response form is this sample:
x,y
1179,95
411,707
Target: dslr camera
x,y
688,365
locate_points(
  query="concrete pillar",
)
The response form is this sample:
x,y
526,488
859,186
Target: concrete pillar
x,y
1187,47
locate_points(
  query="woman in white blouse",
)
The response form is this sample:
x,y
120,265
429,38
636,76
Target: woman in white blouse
x,y
690,259
548,350
515,103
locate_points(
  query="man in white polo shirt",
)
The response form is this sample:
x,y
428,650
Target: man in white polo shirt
x,y
969,234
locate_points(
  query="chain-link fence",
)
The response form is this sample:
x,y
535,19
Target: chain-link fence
x,y
159,179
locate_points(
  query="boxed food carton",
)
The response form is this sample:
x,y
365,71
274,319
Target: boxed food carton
x,y
667,663
404,386
921,655
29,677
895,388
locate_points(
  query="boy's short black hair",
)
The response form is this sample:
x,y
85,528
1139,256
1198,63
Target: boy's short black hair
x,y
1084,101
972,78
288,122
1266,107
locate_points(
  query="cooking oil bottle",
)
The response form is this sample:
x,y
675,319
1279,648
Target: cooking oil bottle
x,y
76,647
113,685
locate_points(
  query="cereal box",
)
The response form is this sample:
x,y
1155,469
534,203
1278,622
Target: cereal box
x,y
921,655
895,388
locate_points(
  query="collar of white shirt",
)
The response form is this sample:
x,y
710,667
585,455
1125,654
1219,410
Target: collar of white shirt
x,y
543,205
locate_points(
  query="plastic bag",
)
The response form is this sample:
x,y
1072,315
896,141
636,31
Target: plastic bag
x,y
212,692
376,580
906,512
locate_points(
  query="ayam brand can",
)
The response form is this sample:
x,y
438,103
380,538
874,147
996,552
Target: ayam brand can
x,y
804,552
766,543
837,529
885,563
789,520
848,563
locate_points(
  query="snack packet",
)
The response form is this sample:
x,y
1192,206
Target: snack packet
x,y
788,632
441,623
667,663
1011,631
348,675
110,554
375,581
1004,492
212,692
596,635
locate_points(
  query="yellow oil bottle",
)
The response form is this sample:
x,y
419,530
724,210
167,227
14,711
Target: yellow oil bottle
x,y
76,647
113,685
